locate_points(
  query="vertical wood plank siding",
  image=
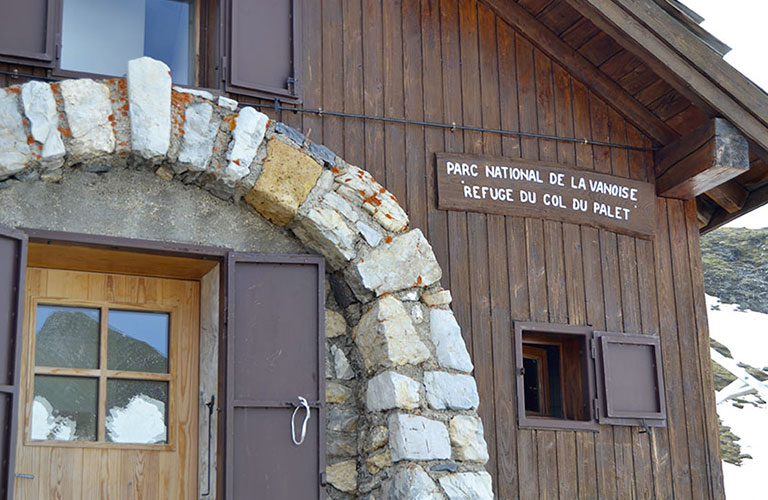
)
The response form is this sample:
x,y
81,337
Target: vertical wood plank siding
x,y
455,61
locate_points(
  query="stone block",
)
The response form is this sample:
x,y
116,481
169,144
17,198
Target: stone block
x,y
340,444
379,461
204,94
227,103
324,230
337,393
411,483
407,261
342,419
386,336
250,127
376,438
359,185
335,324
149,97
40,109
343,476
449,345
88,109
468,486
390,390
323,154
287,177
200,128
341,364
468,440
448,391
291,133
335,201
412,437
14,150
371,235
436,298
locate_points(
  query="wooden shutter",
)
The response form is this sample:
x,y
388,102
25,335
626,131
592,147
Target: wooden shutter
x,y
13,263
630,381
264,48
275,351
27,31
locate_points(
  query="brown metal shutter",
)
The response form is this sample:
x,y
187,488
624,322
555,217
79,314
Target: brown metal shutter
x,y
275,348
630,381
13,263
27,32
264,45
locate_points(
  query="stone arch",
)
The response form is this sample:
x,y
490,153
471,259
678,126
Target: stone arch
x,y
399,373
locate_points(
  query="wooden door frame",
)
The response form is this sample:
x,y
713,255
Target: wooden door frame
x,y
218,257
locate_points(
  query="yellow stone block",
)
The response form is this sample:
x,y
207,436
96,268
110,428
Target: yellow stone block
x,y
287,177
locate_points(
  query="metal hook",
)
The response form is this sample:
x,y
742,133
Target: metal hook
x,y
302,403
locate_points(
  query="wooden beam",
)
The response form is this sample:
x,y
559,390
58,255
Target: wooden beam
x,y
704,210
623,20
517,17
757,199
730,195
708,156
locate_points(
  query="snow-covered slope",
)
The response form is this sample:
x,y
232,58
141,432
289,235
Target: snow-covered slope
x,y
745,333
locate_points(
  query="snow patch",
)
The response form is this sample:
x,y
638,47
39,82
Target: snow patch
x,y
46,425
745,333
141,421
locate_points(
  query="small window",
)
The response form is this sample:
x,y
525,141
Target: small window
x,y
554,375
571,377
100,375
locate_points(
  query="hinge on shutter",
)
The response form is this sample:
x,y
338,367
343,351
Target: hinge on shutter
x,y
596,406
323,479
593,348
224,67
291,84
58,50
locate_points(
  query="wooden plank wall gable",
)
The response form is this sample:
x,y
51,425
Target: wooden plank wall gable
x,y
457,61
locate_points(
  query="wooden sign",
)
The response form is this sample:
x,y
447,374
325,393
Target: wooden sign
x,y
535,189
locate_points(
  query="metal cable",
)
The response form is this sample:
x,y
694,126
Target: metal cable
x,y
277,107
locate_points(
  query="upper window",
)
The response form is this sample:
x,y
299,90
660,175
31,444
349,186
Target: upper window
x,y
573,377
247,47
100,36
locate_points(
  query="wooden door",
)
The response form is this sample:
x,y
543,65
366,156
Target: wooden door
x,y
109,387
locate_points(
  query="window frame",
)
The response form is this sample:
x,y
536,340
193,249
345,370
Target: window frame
x,y
598,366
582,334
102,374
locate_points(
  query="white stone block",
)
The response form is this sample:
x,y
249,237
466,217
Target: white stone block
x,y
336,202
386,336
448,391
406,262
468,486
449,345
341,364
195,92
412,437
149,97
390,390
434,298
200,129
324,230
88,108
411,483
14,150
468,440
372,237
40,108
250,127
227,103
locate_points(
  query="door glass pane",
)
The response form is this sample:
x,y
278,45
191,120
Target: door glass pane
x,y
101,36
64,408
137,411
138,341
67,337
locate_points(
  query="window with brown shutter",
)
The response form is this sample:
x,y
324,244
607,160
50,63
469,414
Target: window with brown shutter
x,y
572,377
27,31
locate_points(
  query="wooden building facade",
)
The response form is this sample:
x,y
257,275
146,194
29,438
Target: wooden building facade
x,y
619,72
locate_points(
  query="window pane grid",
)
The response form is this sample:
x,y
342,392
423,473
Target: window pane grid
x,y
160,373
